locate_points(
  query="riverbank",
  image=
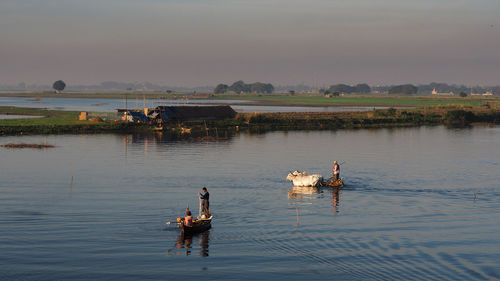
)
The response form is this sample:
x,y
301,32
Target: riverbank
x,y
66,122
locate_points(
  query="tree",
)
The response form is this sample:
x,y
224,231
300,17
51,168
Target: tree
x,y
342,88
59,85
221,89
463,94
406,89
363,88
259,87
239,87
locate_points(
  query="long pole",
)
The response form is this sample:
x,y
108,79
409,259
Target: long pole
x,y
199,209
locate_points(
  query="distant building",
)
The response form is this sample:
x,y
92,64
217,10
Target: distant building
x,y
436,93
488,93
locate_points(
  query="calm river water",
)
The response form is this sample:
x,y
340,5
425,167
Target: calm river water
x,y
419,204
110,105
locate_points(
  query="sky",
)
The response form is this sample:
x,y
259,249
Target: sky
x,y
284,42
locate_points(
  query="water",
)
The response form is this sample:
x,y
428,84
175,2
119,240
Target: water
x,y
110,105
419,204
10,116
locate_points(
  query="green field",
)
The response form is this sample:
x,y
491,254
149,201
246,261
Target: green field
x,y
50,117
286,99
417,101
55,121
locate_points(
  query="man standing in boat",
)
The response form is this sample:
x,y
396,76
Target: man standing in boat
x,y
336,170
205,204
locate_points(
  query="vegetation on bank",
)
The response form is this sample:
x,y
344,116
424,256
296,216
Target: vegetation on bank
x,y
27,145
55,122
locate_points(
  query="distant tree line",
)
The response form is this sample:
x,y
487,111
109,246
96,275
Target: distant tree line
x,y
343,88
241,87
406,89
426,89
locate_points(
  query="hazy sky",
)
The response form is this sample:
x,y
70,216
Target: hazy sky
x,y
205,42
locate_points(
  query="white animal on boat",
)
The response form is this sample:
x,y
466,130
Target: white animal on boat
x,y
304,179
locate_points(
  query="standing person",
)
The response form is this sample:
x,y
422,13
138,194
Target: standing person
x,y
205,204
336,170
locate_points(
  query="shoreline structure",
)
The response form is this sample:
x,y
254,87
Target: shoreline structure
x,y
424,111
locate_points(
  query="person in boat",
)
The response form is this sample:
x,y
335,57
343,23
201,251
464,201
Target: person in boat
x,y
188,219
205,203
336,170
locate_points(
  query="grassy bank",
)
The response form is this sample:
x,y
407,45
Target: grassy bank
x,y
57,122
27,145
54,122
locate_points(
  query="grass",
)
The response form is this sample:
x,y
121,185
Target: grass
x,y
352,100
53,117
55,121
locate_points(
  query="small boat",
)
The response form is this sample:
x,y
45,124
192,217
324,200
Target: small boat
x,y
333,183
199,226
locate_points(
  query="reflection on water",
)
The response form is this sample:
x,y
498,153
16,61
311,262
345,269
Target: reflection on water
x,y
336,198
301,192
184,243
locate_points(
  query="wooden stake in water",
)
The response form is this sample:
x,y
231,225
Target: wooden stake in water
x,y
297,211
71,173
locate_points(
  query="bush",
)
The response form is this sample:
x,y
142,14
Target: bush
x,y
459,117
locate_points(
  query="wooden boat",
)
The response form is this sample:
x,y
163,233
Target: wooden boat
x,y
333,183
199,226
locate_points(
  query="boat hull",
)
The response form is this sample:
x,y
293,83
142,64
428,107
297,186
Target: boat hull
x,y
334,183
198,226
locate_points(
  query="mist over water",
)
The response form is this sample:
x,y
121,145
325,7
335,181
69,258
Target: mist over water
x,y
419,204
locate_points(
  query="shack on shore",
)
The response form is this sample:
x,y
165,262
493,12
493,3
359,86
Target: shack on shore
x,y
161,114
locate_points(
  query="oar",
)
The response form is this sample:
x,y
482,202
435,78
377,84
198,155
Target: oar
x,y
170,222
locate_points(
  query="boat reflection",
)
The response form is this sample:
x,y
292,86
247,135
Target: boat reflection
x,y
210,135
185,242
335,198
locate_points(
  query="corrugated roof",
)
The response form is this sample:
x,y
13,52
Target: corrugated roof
x,y
196,112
